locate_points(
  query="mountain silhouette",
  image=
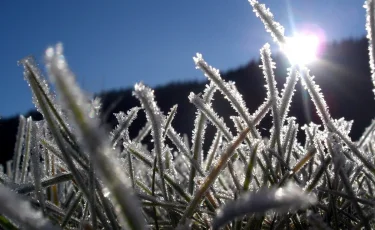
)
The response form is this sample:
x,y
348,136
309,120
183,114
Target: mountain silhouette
x,y
342,72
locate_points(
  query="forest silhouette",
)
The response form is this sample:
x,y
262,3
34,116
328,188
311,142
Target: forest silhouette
x,y
342,73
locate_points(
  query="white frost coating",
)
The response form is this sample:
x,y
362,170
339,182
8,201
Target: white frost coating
x,y
274,28
213,151
317,97
342,125
21,212
286,199
30,65
146,96
267,67
287,93
121,130
272,92
261,111
211,115
18,148
200,123
229,91
169,119
370,27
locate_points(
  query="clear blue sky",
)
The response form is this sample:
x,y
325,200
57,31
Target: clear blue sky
x,y
114,44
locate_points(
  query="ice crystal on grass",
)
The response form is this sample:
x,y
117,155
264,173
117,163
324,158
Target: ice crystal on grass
x,y
370,27
274,28
229,91
71,168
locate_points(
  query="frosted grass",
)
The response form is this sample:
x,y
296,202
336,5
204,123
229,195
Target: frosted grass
x,y
68,171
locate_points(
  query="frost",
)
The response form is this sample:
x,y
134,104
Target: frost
x,y
124,121
272,92
317,97
287,93
211,115
76,168
274,28
370,27
228,90
146,96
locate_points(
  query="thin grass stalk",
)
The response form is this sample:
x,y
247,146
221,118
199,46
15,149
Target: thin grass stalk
x,y
287,93
131,169
366,136
370,27
54,191
200,125
35,159
169,119
211,115
270,168
213,150
304,160
153,193
319,173
146,97
18,149
107,206
209,180
250,167
92,200
234,176
261,112
274,28
26,154
229,91
69,196
84,216
47,166
291,145
73,206
272,94
266,174
124,125
143,132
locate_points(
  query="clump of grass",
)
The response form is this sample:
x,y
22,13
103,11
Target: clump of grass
x,y
69,172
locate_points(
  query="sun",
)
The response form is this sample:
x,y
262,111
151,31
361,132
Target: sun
x,y
301,49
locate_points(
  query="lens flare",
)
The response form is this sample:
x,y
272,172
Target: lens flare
x,y
301,49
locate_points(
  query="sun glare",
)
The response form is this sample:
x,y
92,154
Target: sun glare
x,y
301,49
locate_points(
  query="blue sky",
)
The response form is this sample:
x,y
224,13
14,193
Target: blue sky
x,y
114,44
